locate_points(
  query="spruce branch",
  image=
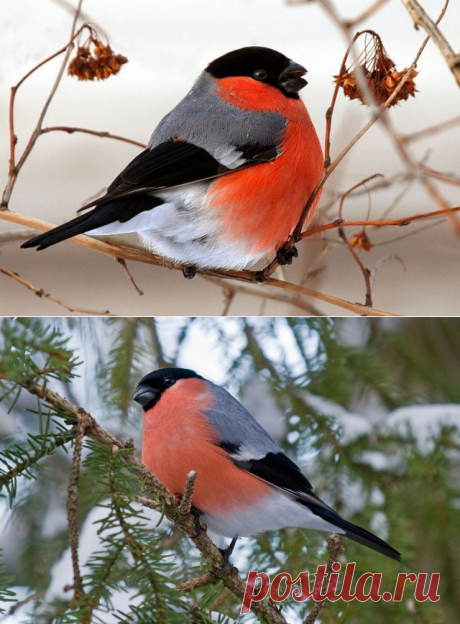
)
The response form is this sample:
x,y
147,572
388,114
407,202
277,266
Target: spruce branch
x,y
135,547
98,590
229,574
6,595
23,459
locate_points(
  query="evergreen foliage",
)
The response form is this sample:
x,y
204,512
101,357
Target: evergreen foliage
x,y
335,382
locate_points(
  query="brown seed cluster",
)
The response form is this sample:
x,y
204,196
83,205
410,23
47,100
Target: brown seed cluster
x,y
100,63
361,241
380,74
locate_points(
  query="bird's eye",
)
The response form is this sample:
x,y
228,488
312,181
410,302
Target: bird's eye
x,y
169,381
260,74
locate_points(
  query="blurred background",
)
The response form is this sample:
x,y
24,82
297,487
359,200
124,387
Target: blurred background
x,y
368,408
168,44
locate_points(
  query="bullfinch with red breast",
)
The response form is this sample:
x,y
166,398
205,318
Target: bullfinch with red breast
x,y
226,174
244,482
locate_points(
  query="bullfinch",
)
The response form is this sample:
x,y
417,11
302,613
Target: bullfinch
x,y
244,482
226,174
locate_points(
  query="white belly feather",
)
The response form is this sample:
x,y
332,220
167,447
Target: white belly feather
x,y
184,231
276,512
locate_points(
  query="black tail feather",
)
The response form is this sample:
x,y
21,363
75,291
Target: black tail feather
x,y
76,226
356,533
121,209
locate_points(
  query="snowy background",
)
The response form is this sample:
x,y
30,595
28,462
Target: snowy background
x,y
212,347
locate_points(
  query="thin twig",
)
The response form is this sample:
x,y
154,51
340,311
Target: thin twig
x,y
17,605
130,277
229,293
287,298
379,223
448,179
138,255
197,581
346,305
330,110
72,503
42,294
15,236
335,549
441,127
297,233
365,271
186,502
15,168
373,8
421,18
381,115
99,133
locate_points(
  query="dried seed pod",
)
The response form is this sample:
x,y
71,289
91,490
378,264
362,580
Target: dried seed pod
x,y
99,64
361,241
379,71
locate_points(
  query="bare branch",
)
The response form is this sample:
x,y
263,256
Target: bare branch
x,y
421,18
99,133
21,603
15,236
373,8
335,549
365,271
15,168
307,292
229,293
138,255
261,291
41,293
441,127
130,277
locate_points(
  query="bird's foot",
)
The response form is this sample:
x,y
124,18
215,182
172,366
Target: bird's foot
x,y
196,513
189,271
260,276
226,552
286,256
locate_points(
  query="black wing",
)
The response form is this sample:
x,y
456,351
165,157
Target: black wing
x,y
175,163
167,165
281,472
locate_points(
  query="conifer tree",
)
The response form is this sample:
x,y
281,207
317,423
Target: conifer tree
x,y
89,535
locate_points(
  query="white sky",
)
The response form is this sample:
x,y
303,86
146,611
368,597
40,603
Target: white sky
x,y
168,43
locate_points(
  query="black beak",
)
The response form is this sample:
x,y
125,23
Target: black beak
x,y
145,395
291,78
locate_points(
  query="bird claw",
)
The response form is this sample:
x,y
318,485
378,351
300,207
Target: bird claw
x,y
196,513
189,271
225,552
285,256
